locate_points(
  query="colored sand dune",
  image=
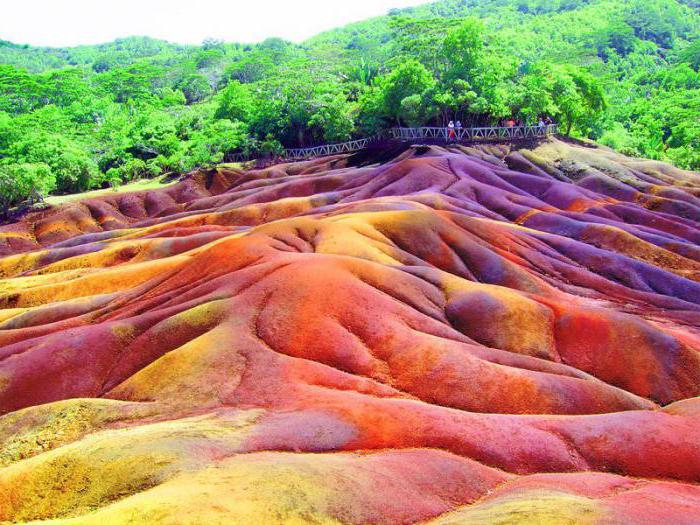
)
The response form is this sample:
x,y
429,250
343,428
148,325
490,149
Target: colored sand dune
x,y
466,335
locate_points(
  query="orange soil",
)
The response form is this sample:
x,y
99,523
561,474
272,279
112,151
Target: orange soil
x,y
465,336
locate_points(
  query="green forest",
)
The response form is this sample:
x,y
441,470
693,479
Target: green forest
x,y
624,73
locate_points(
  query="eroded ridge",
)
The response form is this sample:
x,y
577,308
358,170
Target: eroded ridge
x,y
464,335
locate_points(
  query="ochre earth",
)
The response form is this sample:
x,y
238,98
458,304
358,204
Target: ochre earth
x,y
467,335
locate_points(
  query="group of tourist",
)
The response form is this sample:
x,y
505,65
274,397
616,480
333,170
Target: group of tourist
x,y
454,128
518,123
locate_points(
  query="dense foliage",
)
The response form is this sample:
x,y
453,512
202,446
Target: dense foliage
x,y
624,72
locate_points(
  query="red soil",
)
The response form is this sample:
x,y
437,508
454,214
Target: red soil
x,y
467,336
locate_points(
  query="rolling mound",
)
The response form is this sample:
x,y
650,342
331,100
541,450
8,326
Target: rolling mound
x,y
492,334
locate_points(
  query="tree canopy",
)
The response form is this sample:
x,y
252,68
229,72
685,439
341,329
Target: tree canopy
x,y
621,72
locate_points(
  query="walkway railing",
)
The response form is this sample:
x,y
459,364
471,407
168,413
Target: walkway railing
x,y
473,134
328,149
439,134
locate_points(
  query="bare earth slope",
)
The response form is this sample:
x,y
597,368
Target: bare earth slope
x,y
483,335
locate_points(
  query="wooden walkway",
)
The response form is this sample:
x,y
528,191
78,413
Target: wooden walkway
x,y
433,134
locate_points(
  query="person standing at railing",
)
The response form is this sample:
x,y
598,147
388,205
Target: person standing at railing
x,y
541,124
458,129
451,132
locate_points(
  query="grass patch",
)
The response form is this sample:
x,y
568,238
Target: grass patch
x,y
139,185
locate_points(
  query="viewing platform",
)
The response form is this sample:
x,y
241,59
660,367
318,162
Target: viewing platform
x,y
439,135
433,134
